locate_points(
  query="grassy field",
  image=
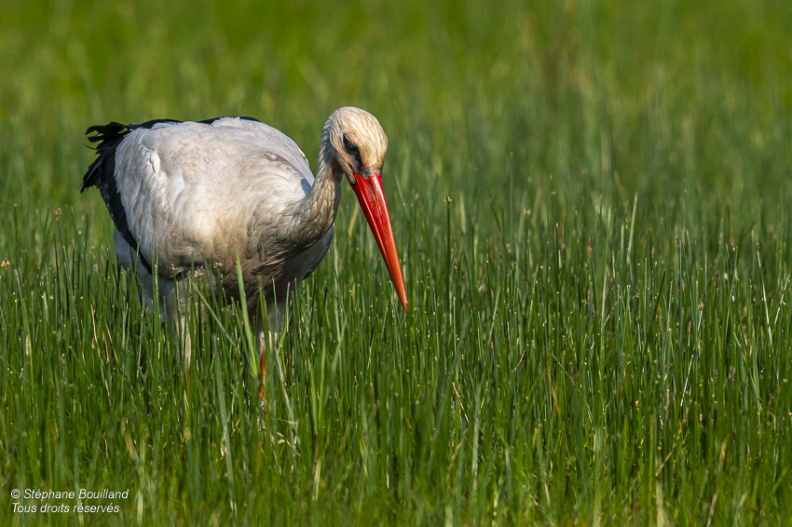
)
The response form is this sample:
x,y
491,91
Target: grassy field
x,y
591,202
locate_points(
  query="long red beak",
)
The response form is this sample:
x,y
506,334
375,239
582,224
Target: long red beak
x,y
372,200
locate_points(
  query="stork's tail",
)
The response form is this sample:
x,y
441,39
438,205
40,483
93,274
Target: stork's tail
x,y
109,137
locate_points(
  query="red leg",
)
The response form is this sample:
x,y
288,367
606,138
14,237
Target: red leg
x,y
262,371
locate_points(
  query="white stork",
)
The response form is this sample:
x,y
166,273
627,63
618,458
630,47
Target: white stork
x,y
205,197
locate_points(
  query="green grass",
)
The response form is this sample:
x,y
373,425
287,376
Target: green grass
x,y
600,328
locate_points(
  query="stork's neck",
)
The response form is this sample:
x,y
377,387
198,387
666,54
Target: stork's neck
x,y
316,212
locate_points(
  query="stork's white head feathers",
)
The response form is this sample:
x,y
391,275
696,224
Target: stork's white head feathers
x,y
357,142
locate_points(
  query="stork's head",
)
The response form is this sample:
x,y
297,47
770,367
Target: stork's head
x,y
356,145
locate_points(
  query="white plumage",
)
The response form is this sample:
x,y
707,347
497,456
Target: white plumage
x,y
193,198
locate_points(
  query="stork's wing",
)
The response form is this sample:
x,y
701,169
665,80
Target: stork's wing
x,y
187,192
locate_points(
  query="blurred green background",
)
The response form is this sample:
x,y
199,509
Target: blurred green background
x,y
617,97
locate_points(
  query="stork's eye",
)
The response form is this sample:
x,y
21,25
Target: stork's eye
x,y
352,149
